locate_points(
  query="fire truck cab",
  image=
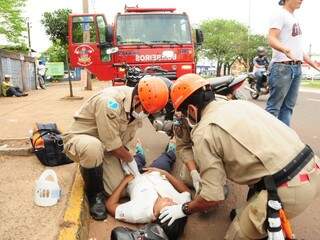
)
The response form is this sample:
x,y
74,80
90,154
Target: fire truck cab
x,y
139,37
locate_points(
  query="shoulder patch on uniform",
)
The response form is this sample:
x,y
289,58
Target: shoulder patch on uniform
x,y
112,104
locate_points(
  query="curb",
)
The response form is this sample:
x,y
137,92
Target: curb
x,y
75,224
14,151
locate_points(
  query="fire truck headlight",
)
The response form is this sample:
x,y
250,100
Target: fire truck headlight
x,y
186,67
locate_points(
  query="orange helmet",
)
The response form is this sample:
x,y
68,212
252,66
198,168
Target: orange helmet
x,y
184,87
153,93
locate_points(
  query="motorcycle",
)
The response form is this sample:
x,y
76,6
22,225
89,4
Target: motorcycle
x,y
229,86
253,85
133,74
163,121
41,80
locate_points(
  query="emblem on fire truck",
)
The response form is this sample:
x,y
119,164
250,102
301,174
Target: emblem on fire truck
x,y
84,53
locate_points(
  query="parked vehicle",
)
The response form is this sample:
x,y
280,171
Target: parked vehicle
x,y
41,80
132,74
229,86
169,43
253,85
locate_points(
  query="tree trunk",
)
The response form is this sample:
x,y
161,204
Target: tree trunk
x,y
219,65
224,69
229,69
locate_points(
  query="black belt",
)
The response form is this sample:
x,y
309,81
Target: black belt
x,y
289,171
291,62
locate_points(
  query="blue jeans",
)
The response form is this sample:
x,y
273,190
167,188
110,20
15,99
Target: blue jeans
x,y
165,161
259,76
284,82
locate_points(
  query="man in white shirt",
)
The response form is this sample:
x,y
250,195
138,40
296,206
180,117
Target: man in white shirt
x,y
42,68
285,38
149,194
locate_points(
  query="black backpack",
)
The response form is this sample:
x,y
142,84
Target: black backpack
x,y
47,144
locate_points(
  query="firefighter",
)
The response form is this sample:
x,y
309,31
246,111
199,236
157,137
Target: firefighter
x,y
101,133
242,142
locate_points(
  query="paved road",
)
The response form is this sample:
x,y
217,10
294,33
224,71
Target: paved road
x,y
306,117
212,225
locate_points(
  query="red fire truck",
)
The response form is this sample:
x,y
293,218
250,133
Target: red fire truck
x,y
139,37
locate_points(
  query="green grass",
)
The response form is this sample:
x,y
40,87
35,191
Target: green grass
x,y
311,84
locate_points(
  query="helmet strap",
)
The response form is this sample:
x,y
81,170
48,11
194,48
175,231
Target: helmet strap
x,y
193,106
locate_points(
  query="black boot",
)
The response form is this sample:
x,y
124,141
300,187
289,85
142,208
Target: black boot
x,y
93,186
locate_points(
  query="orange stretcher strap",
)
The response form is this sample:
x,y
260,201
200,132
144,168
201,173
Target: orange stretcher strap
x,y
285,225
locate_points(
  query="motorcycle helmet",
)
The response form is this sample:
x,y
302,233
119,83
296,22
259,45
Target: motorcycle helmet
x,y
261,51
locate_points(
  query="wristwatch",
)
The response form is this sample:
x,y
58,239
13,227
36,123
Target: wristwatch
x,y
185,208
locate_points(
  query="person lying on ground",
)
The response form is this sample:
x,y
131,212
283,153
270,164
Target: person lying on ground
x,y
150,192
8,90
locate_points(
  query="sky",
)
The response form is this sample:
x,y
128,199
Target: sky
x,y
253,13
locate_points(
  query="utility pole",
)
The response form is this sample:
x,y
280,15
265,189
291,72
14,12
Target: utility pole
x,y
248,40
86,38
29,38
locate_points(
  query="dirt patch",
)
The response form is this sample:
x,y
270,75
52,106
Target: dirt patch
x,y
20,217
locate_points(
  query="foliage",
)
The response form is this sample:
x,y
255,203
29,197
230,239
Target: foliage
x,y
227,40
56,25
21,48
56,53
311,84
12,24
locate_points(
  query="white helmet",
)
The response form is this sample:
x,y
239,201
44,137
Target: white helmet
x,y
47,192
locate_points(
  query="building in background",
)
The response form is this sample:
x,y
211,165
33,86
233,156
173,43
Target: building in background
x,y
206,67
310,73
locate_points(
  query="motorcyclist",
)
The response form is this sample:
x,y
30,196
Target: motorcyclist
x,y
260,63
42,69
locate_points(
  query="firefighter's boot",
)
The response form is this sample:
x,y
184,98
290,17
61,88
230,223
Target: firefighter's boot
x,y
93,186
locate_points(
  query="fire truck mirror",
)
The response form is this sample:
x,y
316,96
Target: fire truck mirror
x,y
199,36
112,50
109,35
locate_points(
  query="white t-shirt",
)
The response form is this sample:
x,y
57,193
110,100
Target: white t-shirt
x,y
144,191
42,70
290,35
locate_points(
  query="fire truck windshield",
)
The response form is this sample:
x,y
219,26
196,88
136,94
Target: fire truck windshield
x,y
153,29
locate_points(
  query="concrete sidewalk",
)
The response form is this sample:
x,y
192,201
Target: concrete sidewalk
x,y
21,218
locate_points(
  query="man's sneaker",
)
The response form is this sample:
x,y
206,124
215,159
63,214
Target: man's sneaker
x,y
139,148
171,147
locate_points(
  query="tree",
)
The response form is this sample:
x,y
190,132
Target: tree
x,y
249,49
228,41
56,53
223,41
12,24
56,25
